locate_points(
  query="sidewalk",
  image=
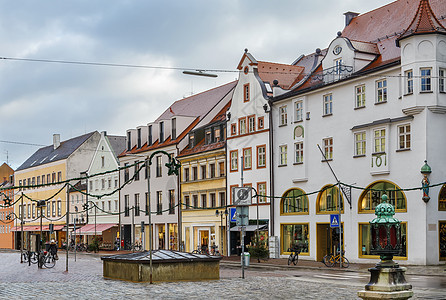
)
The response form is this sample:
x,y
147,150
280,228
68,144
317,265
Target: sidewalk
x,y
282,263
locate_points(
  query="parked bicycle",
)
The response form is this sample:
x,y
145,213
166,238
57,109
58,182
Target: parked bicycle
x,y
214,250
330,260
201,250
29,254
294,255
134,247
47,259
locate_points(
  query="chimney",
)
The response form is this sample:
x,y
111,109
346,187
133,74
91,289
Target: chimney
x,y
56,141
349,17
103,133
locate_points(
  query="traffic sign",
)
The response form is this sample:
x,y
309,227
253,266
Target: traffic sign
x,y
334,221
233,214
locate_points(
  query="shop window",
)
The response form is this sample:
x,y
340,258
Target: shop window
x,y
295,234
442,239
365,241
327,200
294,201
442,199
371,197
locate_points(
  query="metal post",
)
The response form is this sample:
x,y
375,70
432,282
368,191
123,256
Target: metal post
x,y
95,210
133,229
243,251
68,223
41,239
257,233
75,237
340,224
21,228
150,219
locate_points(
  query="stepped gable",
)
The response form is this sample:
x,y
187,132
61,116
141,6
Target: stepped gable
x,y
424,22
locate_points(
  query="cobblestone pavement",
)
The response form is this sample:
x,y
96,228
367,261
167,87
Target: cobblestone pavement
x,y
84,280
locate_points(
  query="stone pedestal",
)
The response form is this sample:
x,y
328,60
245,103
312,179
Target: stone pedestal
x,y
387,281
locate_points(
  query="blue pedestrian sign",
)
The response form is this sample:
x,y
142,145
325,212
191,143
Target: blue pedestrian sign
x,y
334,221
233,216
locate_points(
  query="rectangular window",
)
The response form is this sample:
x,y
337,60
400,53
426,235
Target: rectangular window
x,y
261,156
222,199
171,202
233,129
260,123
203,172
360,96
150,136
195,173
234,160
213,200
425,76
159,202
29,211
211,170
442,80
221,167
328,148
283,117
38,180
299,153
283,155
379,140
338,65
298,111
328,104
126,205
408,75
246,92
186,174
138,137
295,234
242,125
366,240
53,208
404,136
247,159
261,190
59,208
360,147
43,179
381,91
187,202
217,134
195,199
34,210
48,179
48,209
174,129
159,164
103,183
136,208
126,173
136,169
129,141
161,132
203,201
251,123
53,178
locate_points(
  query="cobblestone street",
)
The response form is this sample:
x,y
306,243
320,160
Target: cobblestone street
x,y
84,280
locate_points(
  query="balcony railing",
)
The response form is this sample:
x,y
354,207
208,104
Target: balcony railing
x,y
332,74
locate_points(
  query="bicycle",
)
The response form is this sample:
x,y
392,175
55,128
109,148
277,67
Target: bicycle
x,y
330,260
29,254
201,250
47,259
134,247
294,256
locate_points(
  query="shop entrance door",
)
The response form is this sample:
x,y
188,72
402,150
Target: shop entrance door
x,y
204,239
327,240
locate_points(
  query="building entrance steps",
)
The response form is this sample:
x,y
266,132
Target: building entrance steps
x,y
282,263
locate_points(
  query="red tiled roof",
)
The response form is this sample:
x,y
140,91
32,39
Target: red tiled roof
x,y
424,22
286,75
201,147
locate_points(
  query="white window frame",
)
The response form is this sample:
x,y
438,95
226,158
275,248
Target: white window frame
x,y
299,152
262,192
328,148
283,116
408,79
404,137
360,96
442,80
426,80
283,149
247,158
234,161
379,140
360,143
261,157
242,125
251,123
327,100
298,111
381,90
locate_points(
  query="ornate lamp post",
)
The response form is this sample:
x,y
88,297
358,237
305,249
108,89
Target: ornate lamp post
x,y
387,277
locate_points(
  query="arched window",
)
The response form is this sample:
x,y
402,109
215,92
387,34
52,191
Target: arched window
x,y
327,200
371,197
294,201
442,198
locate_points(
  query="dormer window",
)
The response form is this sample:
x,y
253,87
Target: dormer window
x,y
208,136
217,133
161,132
129,141
149,137
337,64
191,140
174,128
139,137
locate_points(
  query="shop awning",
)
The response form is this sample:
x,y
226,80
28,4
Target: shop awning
x,y
249,228
90,229
36,228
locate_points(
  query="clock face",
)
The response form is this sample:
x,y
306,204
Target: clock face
x,y
337,50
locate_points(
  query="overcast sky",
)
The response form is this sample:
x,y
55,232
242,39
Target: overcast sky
x,y
39,99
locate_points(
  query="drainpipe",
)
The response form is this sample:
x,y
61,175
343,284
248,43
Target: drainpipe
x,y
180,224
271,161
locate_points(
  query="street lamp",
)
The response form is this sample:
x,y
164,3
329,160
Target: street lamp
x,y
387,277
221,213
